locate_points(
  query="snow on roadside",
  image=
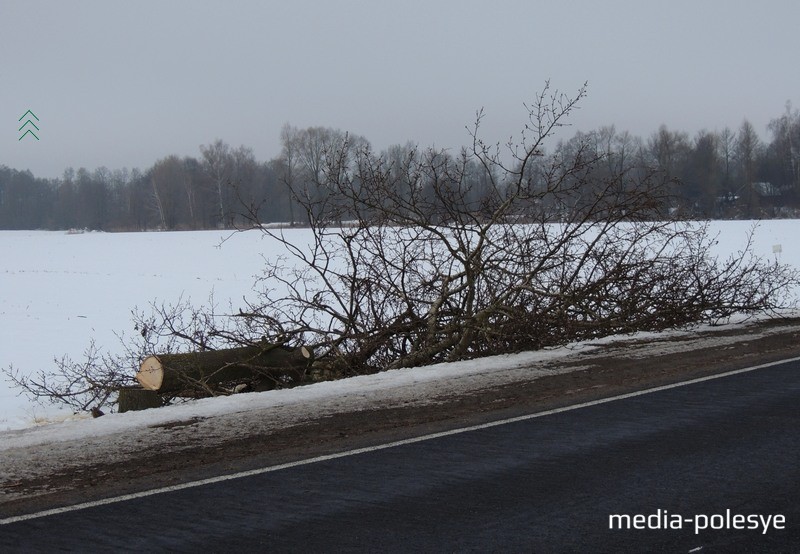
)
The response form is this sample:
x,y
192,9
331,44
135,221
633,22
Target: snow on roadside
x,y
423,379
410,385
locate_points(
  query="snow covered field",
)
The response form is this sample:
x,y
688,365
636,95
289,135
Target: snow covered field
x,y
58,291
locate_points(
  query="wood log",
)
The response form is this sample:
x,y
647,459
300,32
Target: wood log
x,y
174,372
136,398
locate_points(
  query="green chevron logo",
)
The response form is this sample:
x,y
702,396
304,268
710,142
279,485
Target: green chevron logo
x,y
29,124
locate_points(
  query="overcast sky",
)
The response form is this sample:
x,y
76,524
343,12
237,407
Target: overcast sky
x,y
122,84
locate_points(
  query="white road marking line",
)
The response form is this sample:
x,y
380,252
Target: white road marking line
x,y
357,451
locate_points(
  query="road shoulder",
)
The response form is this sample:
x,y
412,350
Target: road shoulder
x,y
43,476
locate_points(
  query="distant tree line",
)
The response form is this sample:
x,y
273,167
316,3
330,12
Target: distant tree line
x,y
721,174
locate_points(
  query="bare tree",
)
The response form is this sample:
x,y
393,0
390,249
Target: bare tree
x,y
726,143
168,176
702,184
786,142
748,148
218,165
244,182
306,157
289,163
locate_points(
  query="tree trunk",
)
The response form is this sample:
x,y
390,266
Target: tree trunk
x,y
174,372
136,398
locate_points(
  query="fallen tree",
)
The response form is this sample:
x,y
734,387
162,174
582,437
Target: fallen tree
x,y
172,373
418,256
135,398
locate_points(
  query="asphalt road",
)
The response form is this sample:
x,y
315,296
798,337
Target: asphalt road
x,y
717,449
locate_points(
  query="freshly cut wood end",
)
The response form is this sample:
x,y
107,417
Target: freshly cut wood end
x,y
151,373
305,352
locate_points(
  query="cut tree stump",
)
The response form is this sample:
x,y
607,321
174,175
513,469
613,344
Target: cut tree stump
x,y
136,398
174,372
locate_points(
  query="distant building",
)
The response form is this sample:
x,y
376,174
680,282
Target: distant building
x,y
761,198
